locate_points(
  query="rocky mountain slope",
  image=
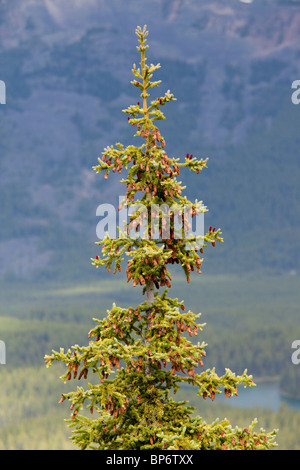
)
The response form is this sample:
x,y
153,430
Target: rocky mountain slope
x,y
67,69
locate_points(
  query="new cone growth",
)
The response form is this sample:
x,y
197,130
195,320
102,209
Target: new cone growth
x,y
141,354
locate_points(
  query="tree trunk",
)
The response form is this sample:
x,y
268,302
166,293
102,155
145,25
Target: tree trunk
x,y
150,299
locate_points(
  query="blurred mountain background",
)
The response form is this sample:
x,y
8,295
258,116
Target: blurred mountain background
x,y
67,69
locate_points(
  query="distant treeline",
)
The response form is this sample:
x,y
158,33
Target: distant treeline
x,y
32,419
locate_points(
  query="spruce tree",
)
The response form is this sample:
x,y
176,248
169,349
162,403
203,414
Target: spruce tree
x,y
142,353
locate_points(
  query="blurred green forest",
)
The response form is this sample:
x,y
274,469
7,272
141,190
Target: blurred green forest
x,y
233,107
32,419
247,326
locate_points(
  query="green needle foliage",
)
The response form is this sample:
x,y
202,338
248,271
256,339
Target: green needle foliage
x,y
142,353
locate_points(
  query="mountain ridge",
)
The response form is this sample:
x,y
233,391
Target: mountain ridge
x,y
67,66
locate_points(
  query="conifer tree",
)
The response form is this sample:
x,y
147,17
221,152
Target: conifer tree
x,y
142,353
